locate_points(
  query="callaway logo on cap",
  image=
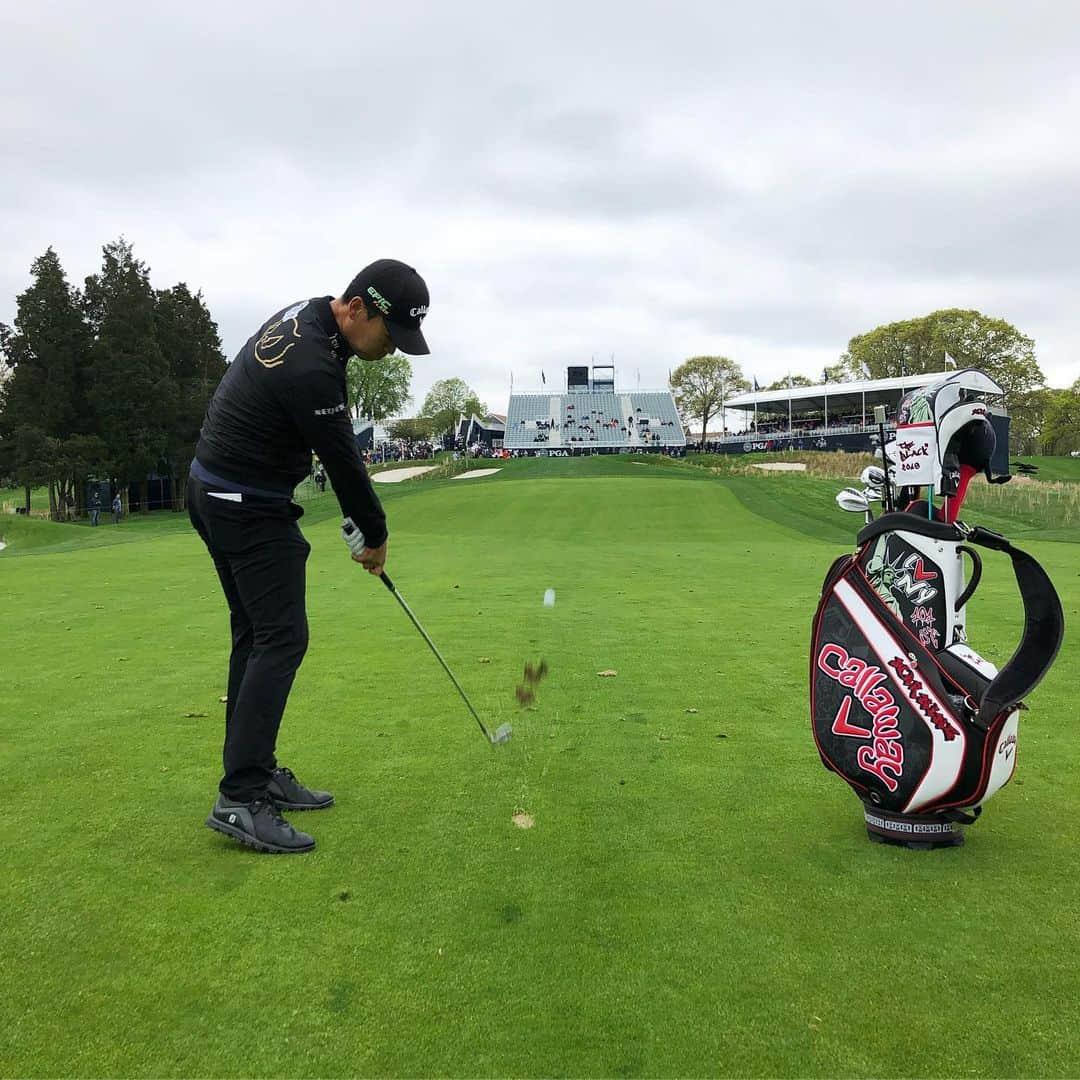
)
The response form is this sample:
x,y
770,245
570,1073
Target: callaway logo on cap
x,y
399,292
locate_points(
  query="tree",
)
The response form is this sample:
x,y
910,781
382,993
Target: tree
x,y
1028,419
47,352
130,390
447,400
1061,434
972,339
378,388
411,429
35,457
790,381
702,385
191,347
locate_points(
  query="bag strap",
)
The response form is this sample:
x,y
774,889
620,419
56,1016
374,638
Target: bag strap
x,y
1044,627
976,576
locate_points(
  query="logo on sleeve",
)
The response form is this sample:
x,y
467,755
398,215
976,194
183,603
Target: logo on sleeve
x,y
278,338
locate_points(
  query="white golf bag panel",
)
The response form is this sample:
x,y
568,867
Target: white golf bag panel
x,y
902,707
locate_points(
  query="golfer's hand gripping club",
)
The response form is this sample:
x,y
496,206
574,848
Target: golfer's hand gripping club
x,y
370,558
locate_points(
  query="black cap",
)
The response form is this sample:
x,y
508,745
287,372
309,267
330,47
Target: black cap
x,y
399,292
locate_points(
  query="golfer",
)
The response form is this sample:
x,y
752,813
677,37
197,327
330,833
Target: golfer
x,y
282,397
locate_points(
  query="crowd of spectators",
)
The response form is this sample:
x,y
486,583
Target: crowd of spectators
x,y
400,450
804,425
588,426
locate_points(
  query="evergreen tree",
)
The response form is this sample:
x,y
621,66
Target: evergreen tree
x,y
45,396
131,391
191,347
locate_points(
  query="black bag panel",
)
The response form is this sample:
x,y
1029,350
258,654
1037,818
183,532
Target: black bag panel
x,y
864,727
838,566
909,584
962,687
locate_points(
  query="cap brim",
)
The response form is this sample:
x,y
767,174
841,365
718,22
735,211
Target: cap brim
x,y
407,339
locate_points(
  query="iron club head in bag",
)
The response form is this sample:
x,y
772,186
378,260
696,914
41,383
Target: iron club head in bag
x,y
854,501
354,539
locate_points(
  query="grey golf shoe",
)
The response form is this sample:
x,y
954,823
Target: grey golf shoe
x,y
290,794
258,824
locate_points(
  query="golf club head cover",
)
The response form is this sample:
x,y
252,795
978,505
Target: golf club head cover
x,y
918,724
943,437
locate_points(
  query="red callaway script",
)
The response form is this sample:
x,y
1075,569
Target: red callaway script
x,y
884,757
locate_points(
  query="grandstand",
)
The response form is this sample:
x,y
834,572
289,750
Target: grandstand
x,y
833,416
592,416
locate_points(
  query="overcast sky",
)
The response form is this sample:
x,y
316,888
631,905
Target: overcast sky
x,y
574,180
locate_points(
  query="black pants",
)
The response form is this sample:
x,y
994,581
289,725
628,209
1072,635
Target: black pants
x,y
260,556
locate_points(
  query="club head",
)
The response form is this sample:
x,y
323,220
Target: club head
x,y
854,502
502,735
873,476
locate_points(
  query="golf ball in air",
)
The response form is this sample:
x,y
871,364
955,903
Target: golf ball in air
x,y
549,598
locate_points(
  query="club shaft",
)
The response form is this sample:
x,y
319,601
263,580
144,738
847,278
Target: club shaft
x,y
431,644
887,501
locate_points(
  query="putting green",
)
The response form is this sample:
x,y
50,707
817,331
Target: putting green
x,y
695,895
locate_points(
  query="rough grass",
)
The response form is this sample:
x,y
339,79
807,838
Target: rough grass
x,y
697,897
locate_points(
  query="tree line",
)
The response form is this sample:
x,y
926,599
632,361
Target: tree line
x,y
108,381
111,381
380,390
1044,420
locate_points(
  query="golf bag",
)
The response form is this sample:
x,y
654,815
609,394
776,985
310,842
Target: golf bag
x,y
922,727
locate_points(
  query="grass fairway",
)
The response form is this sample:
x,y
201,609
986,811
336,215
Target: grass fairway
x,y
697,896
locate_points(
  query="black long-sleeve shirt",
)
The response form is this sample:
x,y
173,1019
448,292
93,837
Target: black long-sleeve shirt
x,y
282,397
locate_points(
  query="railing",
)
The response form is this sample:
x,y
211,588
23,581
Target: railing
x,y
804,433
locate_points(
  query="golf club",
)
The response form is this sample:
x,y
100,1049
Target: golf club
x,y
873,477
855,502
887,499
354,539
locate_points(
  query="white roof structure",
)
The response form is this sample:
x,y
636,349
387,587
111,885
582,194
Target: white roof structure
x,y
839,396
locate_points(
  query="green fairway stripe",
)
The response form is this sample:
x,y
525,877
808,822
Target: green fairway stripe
x,y
697,896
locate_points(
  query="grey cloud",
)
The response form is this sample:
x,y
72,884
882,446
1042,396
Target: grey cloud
x,y
654,175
